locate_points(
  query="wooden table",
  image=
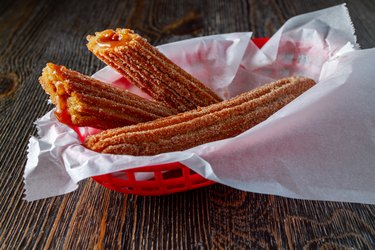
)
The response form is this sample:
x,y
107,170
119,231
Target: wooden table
x,y
35,32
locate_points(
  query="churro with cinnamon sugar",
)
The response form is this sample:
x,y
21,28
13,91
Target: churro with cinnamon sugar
x,y
151,71
84,101
215,122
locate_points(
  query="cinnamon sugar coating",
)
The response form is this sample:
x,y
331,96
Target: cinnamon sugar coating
x,y
189,129
147,68
84,101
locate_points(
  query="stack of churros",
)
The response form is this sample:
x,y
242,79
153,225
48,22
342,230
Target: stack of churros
x,y
184,113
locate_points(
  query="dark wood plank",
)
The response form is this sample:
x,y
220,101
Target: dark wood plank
x,y
35,32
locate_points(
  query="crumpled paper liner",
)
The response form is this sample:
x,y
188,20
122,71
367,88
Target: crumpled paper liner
x,y
320,146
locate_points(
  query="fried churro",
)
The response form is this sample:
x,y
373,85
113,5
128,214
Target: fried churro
x,y
189,129
151,71
84,101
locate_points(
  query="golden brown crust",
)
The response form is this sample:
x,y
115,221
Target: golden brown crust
x,y
150,70
189,129
84,101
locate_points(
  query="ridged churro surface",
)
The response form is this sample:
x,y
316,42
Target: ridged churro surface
x,y
84,101
215,122
147,68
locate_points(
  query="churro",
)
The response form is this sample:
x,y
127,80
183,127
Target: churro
x,y
189,129
84,101
151,71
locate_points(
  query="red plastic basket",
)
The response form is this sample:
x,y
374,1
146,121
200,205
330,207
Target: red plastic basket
x,y
160,179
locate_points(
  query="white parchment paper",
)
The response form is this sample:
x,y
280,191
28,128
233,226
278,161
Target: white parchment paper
x,y
321,146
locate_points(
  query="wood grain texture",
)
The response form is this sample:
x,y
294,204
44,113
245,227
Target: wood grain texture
x,y
218,217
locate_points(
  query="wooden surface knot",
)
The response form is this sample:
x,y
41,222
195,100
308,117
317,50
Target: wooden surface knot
x,y
190,23
8,84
